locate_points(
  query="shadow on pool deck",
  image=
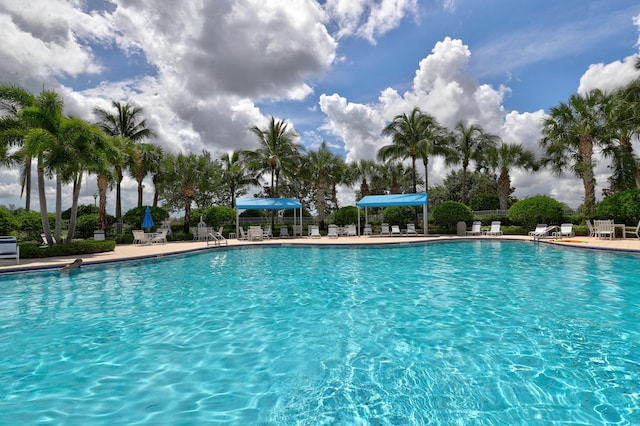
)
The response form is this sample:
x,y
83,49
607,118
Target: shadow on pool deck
x,y
128,252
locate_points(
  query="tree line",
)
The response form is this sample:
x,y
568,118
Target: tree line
x,y
33,127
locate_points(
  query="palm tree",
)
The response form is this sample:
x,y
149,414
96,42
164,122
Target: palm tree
x,y
143,159
363,172
413,136
319,166
569,134
42,121
13,99
127,123
277,154
235,175
468,143
185,177
622,116
504,158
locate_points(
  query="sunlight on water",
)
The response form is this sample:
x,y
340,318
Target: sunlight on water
x,y
479,332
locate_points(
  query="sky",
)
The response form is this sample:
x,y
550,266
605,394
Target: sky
x,y
204,72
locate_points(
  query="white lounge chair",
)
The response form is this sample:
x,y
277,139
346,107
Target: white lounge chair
x,y
384,229
314,231
297,231
592,231
367,230
284,231
255,233
332,231
604,228
411,229
9,248
495,228
395,230
160,237
476,228
632,230
243,235
566,230
352,231
139,237
540,230
266,232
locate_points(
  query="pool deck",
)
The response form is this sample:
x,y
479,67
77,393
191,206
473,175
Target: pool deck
x,y
128,252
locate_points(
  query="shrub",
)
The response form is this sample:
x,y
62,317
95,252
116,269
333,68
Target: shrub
x,y
485,201
346,216
399,215
219,215
534,210
82,210
30,223
135,216
622,207
8,222
449,213
33,250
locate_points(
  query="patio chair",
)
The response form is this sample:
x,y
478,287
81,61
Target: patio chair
x,y
367,230
243,236
592,231
411,229
160,237
540,231
604,228
255,233
566,230
351,231
139,237
633,231
266,232
44,239
384,229
332,231
395,230
314,231
284,231
495,228
297,231
476,228
9,248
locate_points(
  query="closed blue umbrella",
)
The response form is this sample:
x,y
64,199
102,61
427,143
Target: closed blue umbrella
x,y
147,222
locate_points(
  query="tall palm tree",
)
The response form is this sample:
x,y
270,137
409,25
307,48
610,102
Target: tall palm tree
x,y
143,159
277,154
363,172
14,99
504,158
318,166
413,136
236,175
469,143
126,122
569,134
42,121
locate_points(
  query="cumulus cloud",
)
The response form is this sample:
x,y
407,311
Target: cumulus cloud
x,y
369,19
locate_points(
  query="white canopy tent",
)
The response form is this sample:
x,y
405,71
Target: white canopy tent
x,y
394,200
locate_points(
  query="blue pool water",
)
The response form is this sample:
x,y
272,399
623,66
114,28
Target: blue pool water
x,y
480,332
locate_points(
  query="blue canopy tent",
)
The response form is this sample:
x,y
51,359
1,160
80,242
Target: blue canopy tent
x,y
267,204
394,200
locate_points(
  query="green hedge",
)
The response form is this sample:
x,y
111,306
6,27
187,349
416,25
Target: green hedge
x,y
75,248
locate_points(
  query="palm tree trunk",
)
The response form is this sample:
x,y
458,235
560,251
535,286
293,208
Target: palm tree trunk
x,y
103,183
119,197
588,178
44,216
27,184
425,161
320,200
413,172
504,185
58,228
77,183
187,216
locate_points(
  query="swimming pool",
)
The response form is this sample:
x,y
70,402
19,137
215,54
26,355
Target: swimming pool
x,y
481,332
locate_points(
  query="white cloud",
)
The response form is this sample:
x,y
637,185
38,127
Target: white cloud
x,y
369,19
608,77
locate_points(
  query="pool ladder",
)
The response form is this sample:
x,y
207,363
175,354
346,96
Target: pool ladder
x,y
216,239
